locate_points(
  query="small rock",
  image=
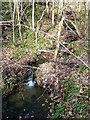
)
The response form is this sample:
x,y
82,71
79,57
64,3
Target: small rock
x,y
43,105
50,110
7,117
27,116
46,101
32,116
20,117
48,116
70,113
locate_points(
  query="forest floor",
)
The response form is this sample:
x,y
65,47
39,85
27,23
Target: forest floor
x,y
66,80
51,76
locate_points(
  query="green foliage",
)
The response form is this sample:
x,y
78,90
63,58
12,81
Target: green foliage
x,y
29,47
81,50
83,69
8,86
11,82
77,48
70,89
81,19
18,53
5,11
77,105
58,111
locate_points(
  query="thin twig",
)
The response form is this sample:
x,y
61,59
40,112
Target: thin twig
x,y
44,91
30,67
41,95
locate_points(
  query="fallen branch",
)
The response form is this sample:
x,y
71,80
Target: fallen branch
x,y
22,66
75,56
69,27
5,24
67,49
6,21
30,67
48,51
77,31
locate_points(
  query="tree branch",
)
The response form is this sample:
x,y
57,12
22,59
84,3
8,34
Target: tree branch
x,y
67,50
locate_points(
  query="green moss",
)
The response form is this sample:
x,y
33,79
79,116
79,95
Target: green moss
x,y
29,47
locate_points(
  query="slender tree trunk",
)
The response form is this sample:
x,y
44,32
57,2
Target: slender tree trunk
x,y
89,32
13,22
89,53
58,39
85,23
33,1
60,5
52,12
10,7
47,8
19,20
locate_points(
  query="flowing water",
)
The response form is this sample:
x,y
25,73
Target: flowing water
x,y
26,102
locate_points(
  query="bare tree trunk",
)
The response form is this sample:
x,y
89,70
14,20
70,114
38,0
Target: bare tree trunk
x,y
13,22
33,1
85,23
89,31
19,20
1,57
60,5
52,12
47,8
12,12
89,53
10,7
58,39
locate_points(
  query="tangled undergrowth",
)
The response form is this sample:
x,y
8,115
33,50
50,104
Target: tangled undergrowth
x,y
68,90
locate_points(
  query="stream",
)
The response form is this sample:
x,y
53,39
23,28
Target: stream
x,y
26,102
